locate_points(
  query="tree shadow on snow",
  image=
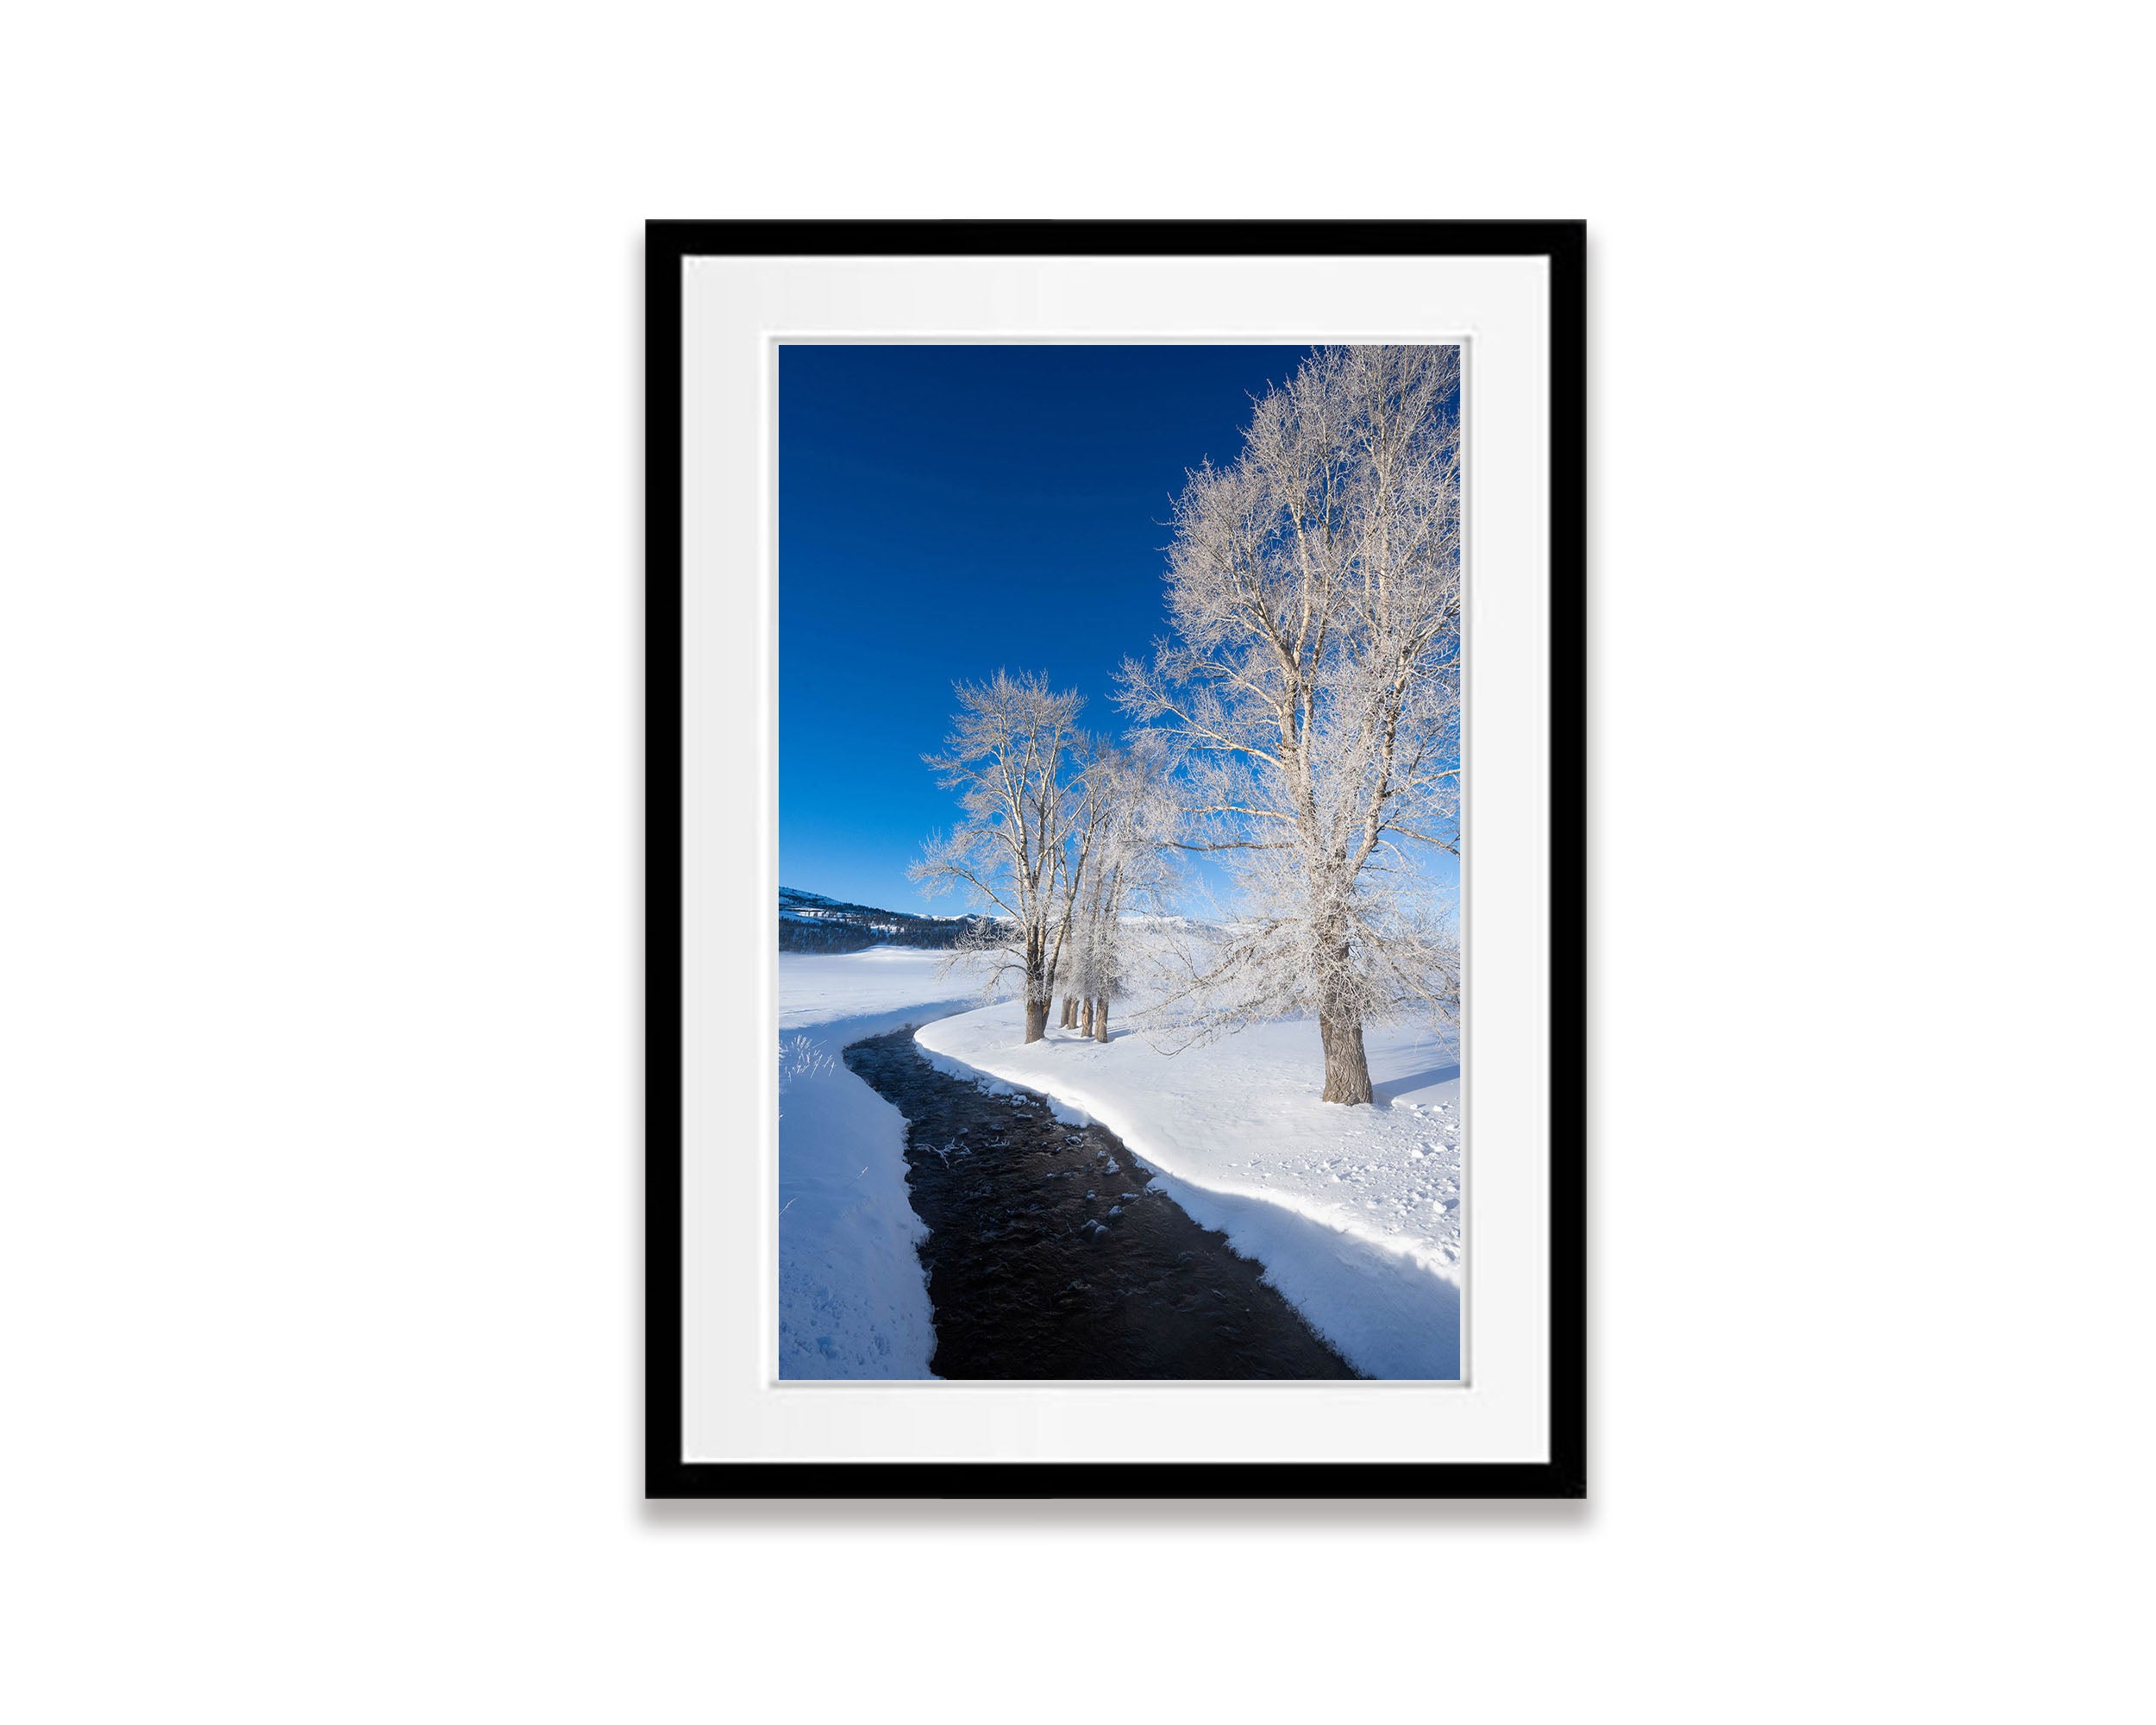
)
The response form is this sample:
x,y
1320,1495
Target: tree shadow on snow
x,y
1386,1094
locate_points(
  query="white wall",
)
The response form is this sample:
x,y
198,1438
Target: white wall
x,y
318,701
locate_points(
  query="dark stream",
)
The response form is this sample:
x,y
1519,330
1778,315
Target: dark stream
x,y
1050,1255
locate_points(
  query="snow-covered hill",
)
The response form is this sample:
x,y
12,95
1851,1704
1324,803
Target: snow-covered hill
x,y
809,922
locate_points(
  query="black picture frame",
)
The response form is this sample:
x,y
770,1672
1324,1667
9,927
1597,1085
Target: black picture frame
x,y
668,1474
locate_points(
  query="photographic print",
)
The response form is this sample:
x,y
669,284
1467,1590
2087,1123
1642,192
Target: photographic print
x,y
1121,819
1116,873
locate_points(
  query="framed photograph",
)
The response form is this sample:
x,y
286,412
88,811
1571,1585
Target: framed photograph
x,y
1116,813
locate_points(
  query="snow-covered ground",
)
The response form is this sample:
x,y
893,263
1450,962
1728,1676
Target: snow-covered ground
x,y
853,1299
823,987
1355,1213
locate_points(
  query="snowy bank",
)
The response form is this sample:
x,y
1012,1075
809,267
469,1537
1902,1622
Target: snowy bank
x,y
1355,1213
852,1298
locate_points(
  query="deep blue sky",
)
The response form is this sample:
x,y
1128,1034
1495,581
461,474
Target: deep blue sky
x,y
946,510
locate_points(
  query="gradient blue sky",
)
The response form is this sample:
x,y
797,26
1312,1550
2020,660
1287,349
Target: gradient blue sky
x,y
944,510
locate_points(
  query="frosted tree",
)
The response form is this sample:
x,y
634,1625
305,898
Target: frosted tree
x,y
1088,793
1311,690
1130,864
1017,759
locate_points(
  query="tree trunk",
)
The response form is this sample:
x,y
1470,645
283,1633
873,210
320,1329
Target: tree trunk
x,y
1036,1017
1347,1068
1085,1019
1100,1020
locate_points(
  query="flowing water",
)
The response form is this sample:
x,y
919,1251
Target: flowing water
x,y
1051,1254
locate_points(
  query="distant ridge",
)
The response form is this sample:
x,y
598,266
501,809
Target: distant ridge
x,y
809,922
